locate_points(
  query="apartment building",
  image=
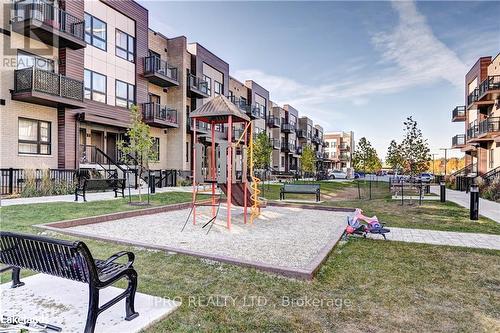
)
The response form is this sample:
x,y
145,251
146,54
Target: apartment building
x,y
480,114
72,70
339,147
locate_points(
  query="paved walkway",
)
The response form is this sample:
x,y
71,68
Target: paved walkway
x,y
487,208
98,196
483,241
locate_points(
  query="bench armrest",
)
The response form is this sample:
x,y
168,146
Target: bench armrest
x,y
130,255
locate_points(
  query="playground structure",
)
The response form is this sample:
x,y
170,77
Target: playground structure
x,y
224,163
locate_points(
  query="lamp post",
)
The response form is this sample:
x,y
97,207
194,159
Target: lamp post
x,y
445,159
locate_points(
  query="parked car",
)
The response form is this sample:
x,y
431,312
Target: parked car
x,y
356,175
337,174
425,177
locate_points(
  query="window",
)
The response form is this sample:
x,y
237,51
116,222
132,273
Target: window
x,y
125,46
95,32
156,149
28,60
209,84
34,137
218,87
125,94
95,86
187,151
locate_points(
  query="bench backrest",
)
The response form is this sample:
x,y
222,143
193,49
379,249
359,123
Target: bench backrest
x,y
98,184
70,260
301,187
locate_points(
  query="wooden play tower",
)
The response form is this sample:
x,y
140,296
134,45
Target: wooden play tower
x,y
224,163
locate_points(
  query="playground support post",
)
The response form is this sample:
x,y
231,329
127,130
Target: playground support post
x,y
194,170
229,169
245,198
212,167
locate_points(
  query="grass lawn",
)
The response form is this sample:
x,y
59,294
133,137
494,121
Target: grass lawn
x,y
364,286
432,215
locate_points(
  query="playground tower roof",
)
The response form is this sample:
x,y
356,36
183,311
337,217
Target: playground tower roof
x,y
218,109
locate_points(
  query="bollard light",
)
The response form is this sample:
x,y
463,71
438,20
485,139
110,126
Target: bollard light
x,y
442,192
474,202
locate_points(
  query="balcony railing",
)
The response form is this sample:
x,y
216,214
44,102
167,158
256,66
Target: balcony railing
x,y
489,125
159,115
56,88
473,97
287,127
275,143
300,150
316,139
458,113
240,103
273,121
472,131
343,146
491,83
200,125
57,28
458,140
288,147
197,86
160,72
301,133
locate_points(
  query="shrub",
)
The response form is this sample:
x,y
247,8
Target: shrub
x,y
492,191
44,186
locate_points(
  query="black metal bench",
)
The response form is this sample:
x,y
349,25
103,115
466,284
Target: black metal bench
x,y
301,189
86,184
70,260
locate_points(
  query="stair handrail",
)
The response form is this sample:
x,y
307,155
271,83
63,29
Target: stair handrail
x,y
488,176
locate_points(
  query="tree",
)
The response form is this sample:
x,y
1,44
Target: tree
x,y
140,144
394,156
414,148
262,151
365,157
308,159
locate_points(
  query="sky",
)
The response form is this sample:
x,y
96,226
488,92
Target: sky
x,y
360,66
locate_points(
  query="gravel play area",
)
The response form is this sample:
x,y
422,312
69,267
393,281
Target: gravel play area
x,y
283,237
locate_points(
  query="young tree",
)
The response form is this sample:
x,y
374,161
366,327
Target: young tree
x,y
394,156
308,159
415,148
365,157
140,145
262,151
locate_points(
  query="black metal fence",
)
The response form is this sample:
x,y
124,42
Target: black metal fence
x,y
164,178
14,180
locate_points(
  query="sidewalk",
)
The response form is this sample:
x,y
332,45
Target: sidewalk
x,y
487,208
434,237
98,196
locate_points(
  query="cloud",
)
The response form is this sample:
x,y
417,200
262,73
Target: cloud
x,y
410,55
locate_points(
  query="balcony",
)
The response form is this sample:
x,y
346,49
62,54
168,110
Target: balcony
x,y
254,112
458,114
158,72
157,115
201,127
299,150
301,134
275,143
319,155
472,98
343,157
273,122
43,87
343,147
197,88
236,134
489,90
489,126
288,147
51,25
472,132
458,141
287,127
316,139
326,156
